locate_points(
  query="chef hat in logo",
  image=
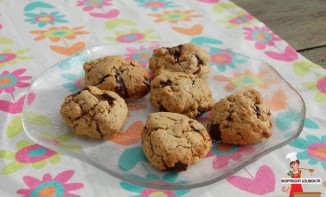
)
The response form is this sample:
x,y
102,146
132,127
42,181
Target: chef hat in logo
x,y
292,156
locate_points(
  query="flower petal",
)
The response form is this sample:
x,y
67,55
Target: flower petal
x,y
31,182
47,177
25,192
23,78
312,138
22,85
323,163
260,45
37,32
323,138
64,176
30,14
313,161
220,162
300,143
303,155
88,8
10,89
41,25
19,71
73,186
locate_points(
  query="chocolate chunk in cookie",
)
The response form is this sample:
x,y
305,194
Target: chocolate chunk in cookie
x,y
181,93
174,142
114,73
94,113
187,58
241,118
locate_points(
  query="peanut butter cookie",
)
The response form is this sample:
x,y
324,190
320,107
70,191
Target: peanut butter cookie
x,y
94,113
241,118
114,73
187,58
181,93
174,142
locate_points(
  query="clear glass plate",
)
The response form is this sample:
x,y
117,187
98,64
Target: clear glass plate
x,y
121,156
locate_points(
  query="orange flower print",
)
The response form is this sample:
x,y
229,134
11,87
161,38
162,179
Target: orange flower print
x,y
247,79
56,33
175,16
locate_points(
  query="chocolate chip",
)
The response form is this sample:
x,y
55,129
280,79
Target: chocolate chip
x,y
109,98
215,132
176,51
269,113
199,61
103,79
162,109
166,83
198,70
105,97
179,166
98,130
257,110
229,118
194,129
121,88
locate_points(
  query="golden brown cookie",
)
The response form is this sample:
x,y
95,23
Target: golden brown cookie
x,y
94,113
173,141
114,73
181,93
187,58
241,118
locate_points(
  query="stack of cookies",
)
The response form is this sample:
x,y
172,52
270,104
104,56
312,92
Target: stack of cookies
x,y
172,139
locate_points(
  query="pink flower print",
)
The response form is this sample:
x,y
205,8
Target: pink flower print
x,y
142,54
49,186
263,36
226,152
92,4
9,81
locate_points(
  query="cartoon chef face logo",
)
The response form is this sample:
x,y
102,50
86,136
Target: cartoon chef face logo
x,y
294,178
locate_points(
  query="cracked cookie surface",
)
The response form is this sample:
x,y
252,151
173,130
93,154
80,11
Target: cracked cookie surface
x,y
187,58
114,73
94,113
241,118
174,142
181,93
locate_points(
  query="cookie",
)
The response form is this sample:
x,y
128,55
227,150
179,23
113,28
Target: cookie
x,y
241,118
181,93
114,73
94,113
174,142
187,58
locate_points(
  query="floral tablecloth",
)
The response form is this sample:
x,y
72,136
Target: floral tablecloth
x,y
35,35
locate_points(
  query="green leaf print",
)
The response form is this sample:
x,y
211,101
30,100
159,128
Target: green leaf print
x,y
14,127
38,119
